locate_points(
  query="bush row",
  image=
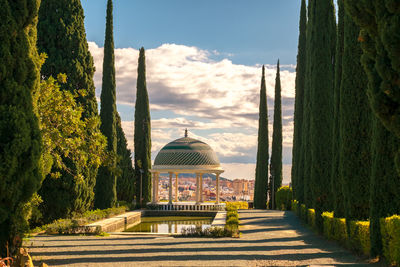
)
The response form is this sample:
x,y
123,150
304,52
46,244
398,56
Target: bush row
x,y
232,219
240,205
76,225
357,236
283,199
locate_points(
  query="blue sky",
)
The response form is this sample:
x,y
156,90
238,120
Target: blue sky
x,y
255,32
203,62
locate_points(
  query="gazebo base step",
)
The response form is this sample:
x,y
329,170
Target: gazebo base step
x,y
190,206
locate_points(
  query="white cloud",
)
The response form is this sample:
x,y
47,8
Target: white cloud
x,y
216,99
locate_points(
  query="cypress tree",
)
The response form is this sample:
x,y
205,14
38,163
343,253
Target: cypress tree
x,y
321,63
336,185
276,153
355,128
142,135
126,179
380,41
385,182
297,179
305,156
61,35
20,140
261,180
105,190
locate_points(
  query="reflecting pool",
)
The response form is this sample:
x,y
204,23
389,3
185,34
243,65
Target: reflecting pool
x,y
171,224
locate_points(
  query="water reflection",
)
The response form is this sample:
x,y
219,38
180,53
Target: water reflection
x,y
170,224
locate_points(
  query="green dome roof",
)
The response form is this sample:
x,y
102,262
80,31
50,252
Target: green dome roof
x,y
186,151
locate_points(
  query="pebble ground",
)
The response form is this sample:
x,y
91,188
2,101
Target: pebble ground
x,y
269,238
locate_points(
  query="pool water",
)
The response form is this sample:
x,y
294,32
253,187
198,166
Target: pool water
x,y
171,224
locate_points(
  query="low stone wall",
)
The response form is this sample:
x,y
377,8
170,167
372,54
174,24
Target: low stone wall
x,y
118,223
219,219
189,213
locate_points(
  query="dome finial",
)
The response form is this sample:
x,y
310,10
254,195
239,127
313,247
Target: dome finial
x,y
186,133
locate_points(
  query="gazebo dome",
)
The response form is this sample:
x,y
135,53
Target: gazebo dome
x,y
186,151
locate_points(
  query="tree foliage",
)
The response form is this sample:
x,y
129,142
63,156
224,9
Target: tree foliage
x,y
126,178
66,139
61,35
20,140
379,22
142,135
321,51
336,185
276,153
297,167
261,180
355,128
106,190
385,182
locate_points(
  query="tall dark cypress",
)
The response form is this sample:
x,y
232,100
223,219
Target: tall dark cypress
x,y
142,135
355,128
276,153
20,141
61,35
297,179
105,190
337,191
321,63
126,178
305,158
261,180
385,182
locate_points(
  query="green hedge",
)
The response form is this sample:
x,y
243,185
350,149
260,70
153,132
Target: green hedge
x,y
334,228
284,198
359,237
311,218
390,230
240,205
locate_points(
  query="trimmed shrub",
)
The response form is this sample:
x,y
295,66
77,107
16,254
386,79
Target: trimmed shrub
x,y
284,198
303,212
240,205
295,207
334,228
390,231
311,218
359,237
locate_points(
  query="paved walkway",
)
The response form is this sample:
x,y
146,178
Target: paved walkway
x,y
269,238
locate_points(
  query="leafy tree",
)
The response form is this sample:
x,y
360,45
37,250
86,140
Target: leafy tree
x,y
61,35
385,182
276,154
126,179
321,63
20,140
336,184
355,128
142,135
297,179
105,190
66,139
261,180
379,23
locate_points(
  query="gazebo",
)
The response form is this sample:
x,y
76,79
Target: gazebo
x,y
186,155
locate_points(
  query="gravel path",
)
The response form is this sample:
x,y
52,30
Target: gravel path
x,y
269,238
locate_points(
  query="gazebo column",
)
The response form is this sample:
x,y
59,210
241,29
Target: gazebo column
x,y
217,193
176,187
197,188
170,188
201,187
156,186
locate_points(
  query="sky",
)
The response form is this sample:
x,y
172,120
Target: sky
x,y
203,70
